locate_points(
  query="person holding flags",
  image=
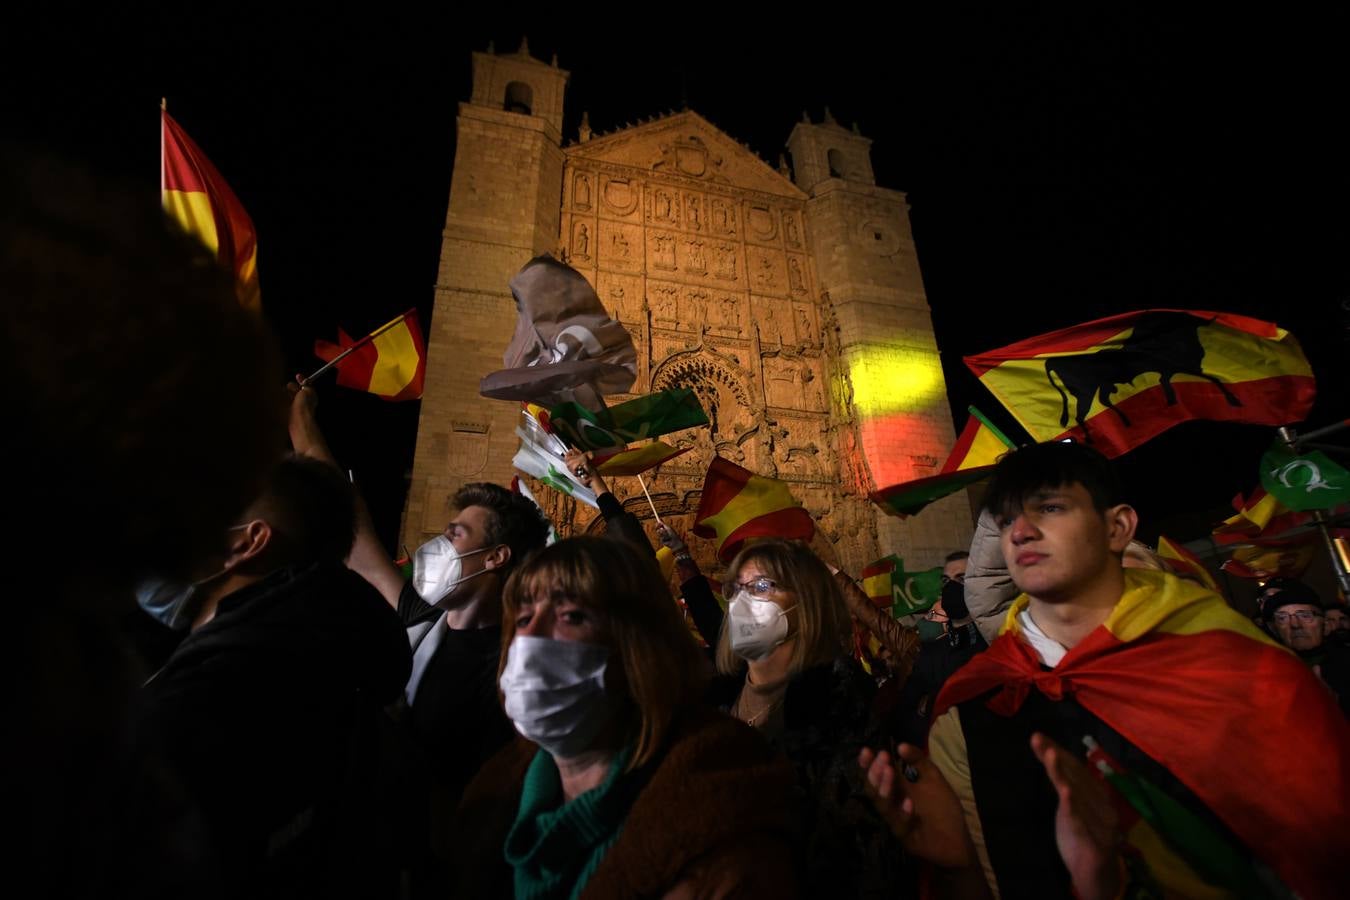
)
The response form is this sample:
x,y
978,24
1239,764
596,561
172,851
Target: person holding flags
x,y
450,720
1127,734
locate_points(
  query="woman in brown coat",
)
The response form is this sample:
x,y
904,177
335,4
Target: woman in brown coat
x,y
623,784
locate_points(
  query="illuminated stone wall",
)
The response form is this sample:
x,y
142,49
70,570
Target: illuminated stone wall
x,y
794,309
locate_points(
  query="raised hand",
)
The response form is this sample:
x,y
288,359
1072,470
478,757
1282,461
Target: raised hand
x,y
1087,829
578,462
670,539
920,807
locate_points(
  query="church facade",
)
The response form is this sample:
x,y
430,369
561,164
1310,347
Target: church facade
x,y
790,301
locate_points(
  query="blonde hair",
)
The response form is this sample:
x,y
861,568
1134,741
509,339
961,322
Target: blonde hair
x,y
823,625
660,668
1143,557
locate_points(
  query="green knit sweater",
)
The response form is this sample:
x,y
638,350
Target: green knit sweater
x,y
555,847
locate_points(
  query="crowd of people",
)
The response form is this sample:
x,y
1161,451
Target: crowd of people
x,y
232,690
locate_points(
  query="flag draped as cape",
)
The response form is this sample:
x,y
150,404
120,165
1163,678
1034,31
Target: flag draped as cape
x,y
1235,717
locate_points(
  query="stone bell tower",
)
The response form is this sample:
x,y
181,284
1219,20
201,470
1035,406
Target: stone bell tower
x,y
503,211
888,378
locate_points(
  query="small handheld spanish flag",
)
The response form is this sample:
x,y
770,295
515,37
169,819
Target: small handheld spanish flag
x,y
390,362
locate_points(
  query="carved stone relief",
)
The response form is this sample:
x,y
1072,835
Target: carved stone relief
x,y
581,191
796,280
768,319
662,251
804,324
723,217
694,312
693,212
724,265
725,317
724,396
761,223
688,155
615,247
664,207
664,305
694,259
620,196
581,241
791,230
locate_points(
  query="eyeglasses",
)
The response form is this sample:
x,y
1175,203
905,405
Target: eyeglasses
x,y
755,587
1305,616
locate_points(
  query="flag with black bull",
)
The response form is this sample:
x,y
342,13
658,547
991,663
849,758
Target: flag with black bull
x,y
1118,382
565,346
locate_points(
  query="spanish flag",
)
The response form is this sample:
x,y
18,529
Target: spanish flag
x,y
972,459
198,198
1117,382
1198,689
1185,563
1262,559
390,362
1261,513
979,445
738,504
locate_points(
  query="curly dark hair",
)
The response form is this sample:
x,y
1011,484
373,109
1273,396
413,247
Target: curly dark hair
x,y
515,520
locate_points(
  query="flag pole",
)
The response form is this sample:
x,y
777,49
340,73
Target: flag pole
x,y
649,500
353,348
163,108
1337,547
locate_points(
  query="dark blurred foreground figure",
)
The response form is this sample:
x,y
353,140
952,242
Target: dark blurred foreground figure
x,y
623,784
270,709
144,416
1128,734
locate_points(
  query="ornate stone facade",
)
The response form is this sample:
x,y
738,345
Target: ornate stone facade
x,y
712,260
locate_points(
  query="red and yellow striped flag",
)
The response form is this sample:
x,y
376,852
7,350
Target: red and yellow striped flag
x,y
738,504
199,199
1186,563
980,444
390,363
1117,382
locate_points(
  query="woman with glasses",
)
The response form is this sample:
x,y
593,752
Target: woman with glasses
x,y
623,782
786,670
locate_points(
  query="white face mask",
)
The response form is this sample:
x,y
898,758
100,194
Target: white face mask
x,y
555,692
758,627
438,569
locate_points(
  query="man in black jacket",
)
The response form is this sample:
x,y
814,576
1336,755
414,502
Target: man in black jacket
x,y
268,709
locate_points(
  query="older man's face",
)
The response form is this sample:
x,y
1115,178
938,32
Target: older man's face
x,y
1299,626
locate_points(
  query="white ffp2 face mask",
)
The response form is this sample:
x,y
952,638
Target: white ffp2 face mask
x,y
438,569
758,627
555,692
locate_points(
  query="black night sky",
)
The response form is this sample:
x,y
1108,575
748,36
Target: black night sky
x,y
1059,169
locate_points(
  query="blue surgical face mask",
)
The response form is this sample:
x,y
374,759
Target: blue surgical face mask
x,y
174,602
169,601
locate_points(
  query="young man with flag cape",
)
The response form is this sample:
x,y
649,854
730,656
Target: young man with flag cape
x,y
1127,734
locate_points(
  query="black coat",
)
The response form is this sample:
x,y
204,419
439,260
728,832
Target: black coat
x,y
827,720
268,714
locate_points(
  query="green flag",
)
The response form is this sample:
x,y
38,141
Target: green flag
x,y
915,591
638,419
906,499
1302,483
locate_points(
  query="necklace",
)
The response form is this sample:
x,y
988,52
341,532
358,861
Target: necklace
x,y
757,717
